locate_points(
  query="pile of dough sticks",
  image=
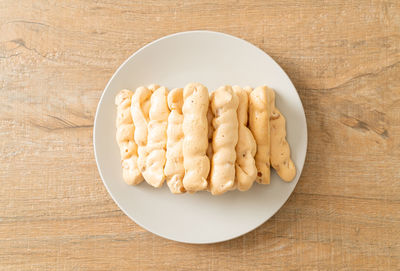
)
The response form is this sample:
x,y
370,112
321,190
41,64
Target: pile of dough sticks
x,y
196,140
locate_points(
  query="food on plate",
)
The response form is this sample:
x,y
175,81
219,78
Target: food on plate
x,y
280,150
125,130
224,104
157,138
146,141
259,111
246,147
174,170
195,141
140,114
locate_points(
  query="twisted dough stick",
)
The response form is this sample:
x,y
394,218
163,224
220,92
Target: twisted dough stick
x,y
280,150
195,143
157,138
124,136
259,126
174,170
246,147
224,103
140,114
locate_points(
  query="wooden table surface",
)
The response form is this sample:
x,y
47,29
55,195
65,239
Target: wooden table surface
x,y
55,60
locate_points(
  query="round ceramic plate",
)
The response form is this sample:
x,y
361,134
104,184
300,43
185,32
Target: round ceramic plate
x,y
213,59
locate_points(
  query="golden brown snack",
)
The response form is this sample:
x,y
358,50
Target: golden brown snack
x,y
157,138
224,103
259,126
125,130
246,147
174,170
195,143
280,149
140,114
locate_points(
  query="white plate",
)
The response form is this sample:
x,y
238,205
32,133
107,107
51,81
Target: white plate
x,y
213,59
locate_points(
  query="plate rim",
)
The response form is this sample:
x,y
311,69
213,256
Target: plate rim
x,y
303,159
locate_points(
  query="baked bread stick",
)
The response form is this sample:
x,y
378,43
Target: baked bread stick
x,y
195,142
174,170
224,104
125,139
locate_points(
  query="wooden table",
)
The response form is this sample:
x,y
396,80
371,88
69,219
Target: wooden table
x,y
57,56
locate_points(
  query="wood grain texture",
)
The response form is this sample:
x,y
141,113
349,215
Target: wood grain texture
x,y
55,59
